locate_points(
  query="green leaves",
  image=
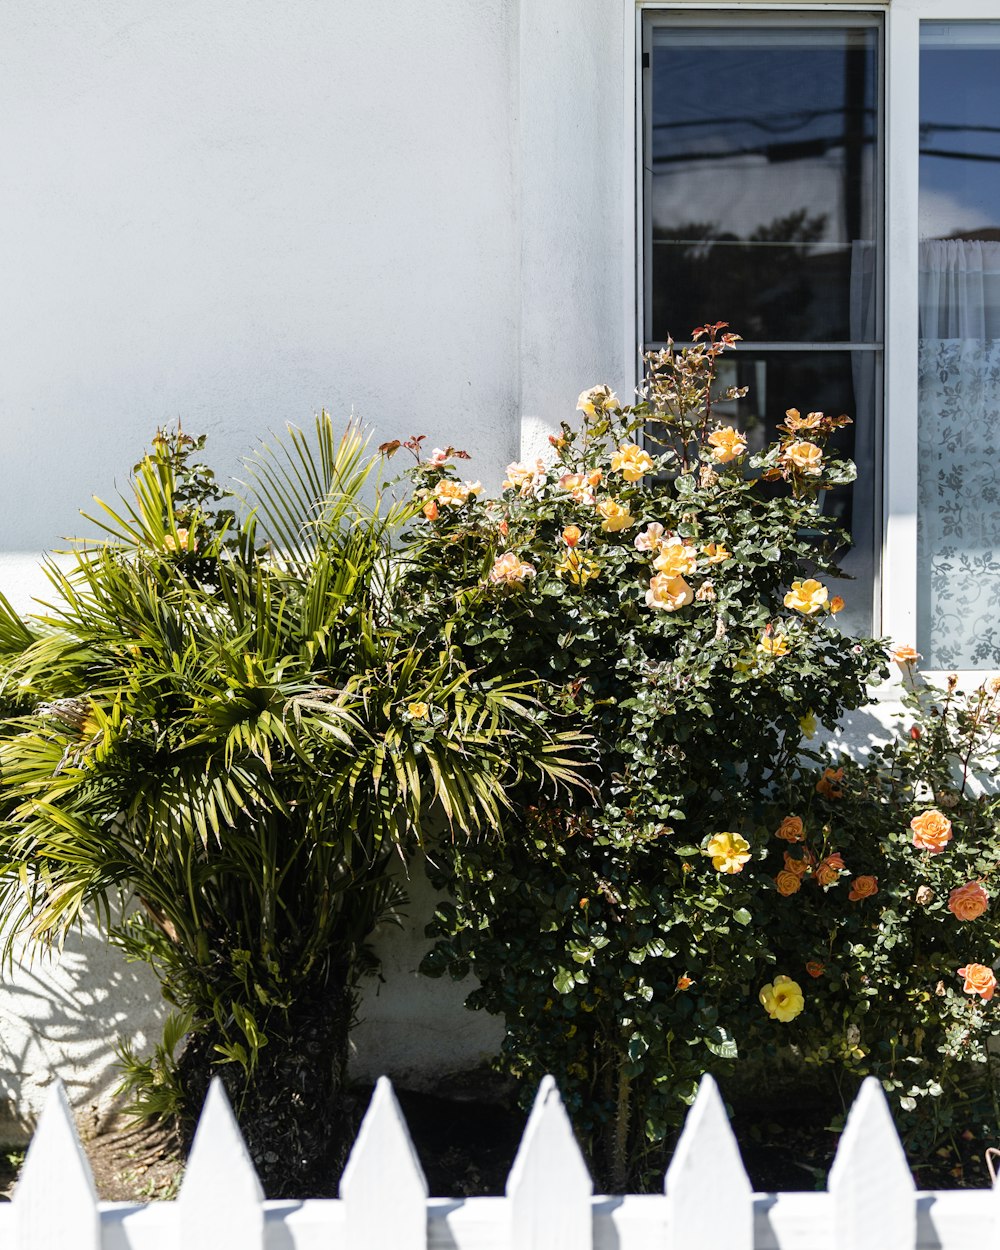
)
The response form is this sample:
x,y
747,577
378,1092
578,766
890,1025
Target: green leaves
x,y
235,724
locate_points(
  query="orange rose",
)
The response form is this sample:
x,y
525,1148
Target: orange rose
x,y
966,902
791,829
815,968
931,831
828,785
430,510
836,604
863,887
788,882
571,535
829,869
979,980
685,983
798,867
905,656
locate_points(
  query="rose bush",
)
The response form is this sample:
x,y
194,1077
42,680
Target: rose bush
x,y
672,591
902,939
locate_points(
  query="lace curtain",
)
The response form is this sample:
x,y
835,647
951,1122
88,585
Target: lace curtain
x,y
958,519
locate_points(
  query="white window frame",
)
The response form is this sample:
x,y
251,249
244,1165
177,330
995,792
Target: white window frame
x,y
896,593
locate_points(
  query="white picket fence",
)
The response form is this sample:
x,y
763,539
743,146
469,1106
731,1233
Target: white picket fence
x,y
707,1204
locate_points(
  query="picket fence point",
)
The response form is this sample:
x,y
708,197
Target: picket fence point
x,y
549,1187
871,1187
383,1187
219,1203
709,1193
55,1202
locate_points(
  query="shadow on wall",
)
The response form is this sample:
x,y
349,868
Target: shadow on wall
x,y
60,1015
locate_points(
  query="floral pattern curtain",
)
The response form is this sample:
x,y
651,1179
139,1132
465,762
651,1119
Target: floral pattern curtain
x,y
958,521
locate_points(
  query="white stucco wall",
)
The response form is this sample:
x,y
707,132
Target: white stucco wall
x,y
234,213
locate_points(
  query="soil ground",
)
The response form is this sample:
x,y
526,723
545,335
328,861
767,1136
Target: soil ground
x,y
467,1147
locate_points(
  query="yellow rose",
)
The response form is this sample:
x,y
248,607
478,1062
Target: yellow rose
x,y
598,398
675,558
782,999
454,494
418,711
632,462
808,724
715,553
807,597
616,516
667,594
726,444
576,568
729,852
806,457
773,644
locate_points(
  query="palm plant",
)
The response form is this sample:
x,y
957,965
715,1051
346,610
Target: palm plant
x,y
224,725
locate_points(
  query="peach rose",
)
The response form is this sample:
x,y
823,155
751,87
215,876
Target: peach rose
x,y
726,444
863,887
650,537
788,882
667,594
806,457
815,968
931,831
795,421
904,656
430,510
966,902
829,869
791,829
508,570
979,980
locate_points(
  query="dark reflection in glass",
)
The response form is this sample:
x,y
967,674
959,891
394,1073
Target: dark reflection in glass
x,y
832,382
763,181
959,130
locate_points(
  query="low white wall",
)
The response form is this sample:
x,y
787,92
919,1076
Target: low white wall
x,y
60,1015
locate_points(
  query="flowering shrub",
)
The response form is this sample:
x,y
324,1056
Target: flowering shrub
x,y
900,936
673,592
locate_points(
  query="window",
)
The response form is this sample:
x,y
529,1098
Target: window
x,y
827,179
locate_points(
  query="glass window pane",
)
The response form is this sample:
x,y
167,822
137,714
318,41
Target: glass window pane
x,y
833,382
958,524
763,178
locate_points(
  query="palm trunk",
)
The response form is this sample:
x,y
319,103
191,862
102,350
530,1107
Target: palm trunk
x,y
293,1111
